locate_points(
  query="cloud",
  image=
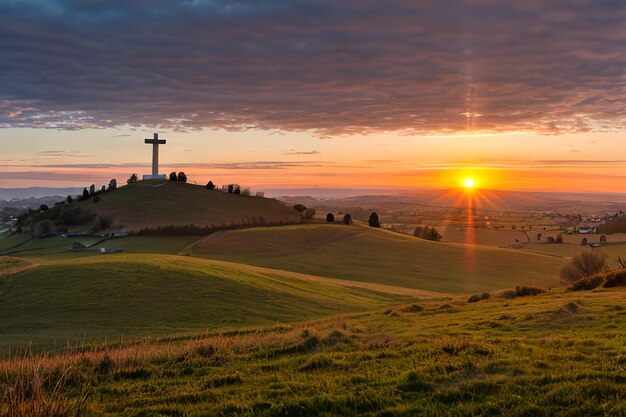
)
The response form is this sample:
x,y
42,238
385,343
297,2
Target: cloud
x,y
302,153
354,66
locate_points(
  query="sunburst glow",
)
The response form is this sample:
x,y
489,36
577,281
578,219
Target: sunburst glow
x,y
469,183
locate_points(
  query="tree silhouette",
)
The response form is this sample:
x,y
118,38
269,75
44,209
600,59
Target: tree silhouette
x,y
373,221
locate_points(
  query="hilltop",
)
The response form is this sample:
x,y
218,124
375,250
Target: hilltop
x,y
157,203
359,253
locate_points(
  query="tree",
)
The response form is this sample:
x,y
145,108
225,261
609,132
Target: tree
x,y
210,185
173,176
330,217
427,232
300,208
585,263
373,221
132,179
182,177
43,207
347,219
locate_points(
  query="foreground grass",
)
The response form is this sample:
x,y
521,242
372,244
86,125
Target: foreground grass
x,y
372,255
557,354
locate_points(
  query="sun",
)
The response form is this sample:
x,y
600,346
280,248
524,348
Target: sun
x,y
469,183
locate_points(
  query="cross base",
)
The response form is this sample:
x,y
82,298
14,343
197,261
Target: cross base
x,y
154,177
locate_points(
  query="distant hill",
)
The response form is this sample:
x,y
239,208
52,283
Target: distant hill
x,y
151,204
365,254
37,192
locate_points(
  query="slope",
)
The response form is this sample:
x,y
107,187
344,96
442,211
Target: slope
x,y
372,255
164,295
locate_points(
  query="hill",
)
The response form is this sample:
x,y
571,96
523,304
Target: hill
x,y
373,255
557,354
156,203
165,295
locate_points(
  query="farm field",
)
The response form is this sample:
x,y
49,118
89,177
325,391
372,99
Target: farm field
x,y
372,255
559,353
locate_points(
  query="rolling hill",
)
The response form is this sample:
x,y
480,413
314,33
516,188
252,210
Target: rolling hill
x,y
157,203
164,295
359,253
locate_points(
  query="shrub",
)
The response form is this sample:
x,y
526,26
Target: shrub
x,y
300,208
373,220
525,291
615,278
330,217
478,297
587,283
426,232
43,227
585,263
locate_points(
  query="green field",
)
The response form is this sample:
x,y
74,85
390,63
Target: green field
x,y
136,295
556,354
142,205
372,255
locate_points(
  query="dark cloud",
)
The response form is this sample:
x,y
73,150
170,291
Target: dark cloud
x,y
335,67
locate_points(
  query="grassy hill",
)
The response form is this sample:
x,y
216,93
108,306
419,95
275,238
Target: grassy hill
x,y
148,204
556,354
372,255
165,295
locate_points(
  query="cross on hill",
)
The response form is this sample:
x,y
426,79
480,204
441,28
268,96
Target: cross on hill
x,y
155,142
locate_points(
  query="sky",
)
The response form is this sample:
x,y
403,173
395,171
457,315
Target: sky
x,y
302,94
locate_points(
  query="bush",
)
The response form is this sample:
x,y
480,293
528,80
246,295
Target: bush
x,y
586,263
330,217
373,220
615,278
587,283
525,291
300,208
43,227
479,297
426,232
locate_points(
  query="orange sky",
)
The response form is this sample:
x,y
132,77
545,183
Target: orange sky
x,y
274,159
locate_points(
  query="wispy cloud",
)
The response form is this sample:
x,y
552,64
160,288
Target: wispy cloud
x,y
333,67
302,153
